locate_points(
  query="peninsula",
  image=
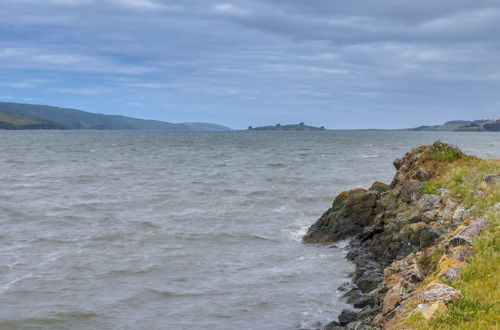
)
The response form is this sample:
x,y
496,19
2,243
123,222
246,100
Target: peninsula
x,y
425,246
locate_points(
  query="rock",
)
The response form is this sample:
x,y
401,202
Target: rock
x,y
347,316
350,213
467,235
332,326
379,186
429,235
365,300
430,310
392,298
352,295
452,273
369,280
358,325
411,191
492,179
422,175
462,253
437,291
398,162
449,268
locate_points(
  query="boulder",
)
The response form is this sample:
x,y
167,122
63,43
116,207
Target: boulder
x,y
462,253
392,298
379,186
469,233
351,211
332,326
347,316
411,191
429,235
492,179
430,310
437,291
369,280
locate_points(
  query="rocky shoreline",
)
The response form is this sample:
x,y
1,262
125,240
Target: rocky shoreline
x,y
409,240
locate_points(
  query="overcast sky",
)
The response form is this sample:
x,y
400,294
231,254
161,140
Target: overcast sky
x,y
338,64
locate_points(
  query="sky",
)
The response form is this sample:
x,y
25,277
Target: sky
x,y
339,64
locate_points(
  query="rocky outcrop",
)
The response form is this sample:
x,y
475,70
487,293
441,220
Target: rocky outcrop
x,y
400,235
351,211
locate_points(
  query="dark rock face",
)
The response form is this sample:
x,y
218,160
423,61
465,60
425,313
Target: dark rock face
x,y
351,211
429,235
347,316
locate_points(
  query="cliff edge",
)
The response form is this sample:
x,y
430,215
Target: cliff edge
x,y
425,247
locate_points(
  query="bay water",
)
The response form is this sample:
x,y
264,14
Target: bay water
x,y
155,230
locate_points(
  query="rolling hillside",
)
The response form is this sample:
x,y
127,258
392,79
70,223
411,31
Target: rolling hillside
x,y
30,116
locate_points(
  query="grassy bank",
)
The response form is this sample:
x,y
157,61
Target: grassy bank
x,y
480,306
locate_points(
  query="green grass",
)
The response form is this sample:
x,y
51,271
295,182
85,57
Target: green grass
x,y
17,120
430,188
480,306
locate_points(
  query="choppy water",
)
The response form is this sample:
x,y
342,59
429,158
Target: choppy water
x,y
149,230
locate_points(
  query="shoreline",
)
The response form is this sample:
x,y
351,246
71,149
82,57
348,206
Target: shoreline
x,y
411,240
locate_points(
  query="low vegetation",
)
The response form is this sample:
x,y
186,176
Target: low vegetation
x,y
479,308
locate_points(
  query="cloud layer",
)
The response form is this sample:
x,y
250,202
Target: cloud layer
x,y
339,64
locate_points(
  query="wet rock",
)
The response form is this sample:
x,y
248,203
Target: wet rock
x,y
429,235
467,235
437,291
358,325
366,300
492,179
350,213
430,310
332,326
347,316
369,280
379,186
352,295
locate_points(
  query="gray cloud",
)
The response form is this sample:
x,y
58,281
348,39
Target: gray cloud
x,y
335,63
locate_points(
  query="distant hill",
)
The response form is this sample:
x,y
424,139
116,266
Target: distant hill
x,y
206,127
482,125
30,116
293,127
